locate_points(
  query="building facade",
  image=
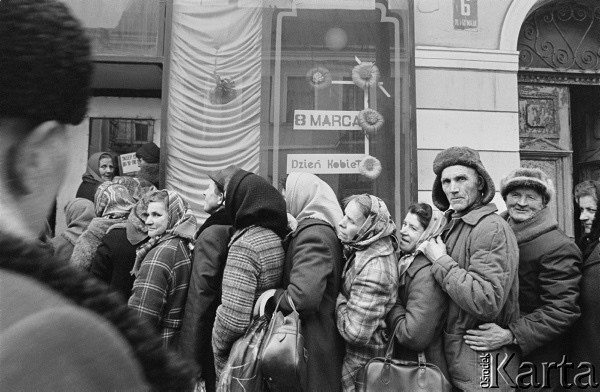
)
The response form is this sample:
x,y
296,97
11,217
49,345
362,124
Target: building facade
x,y
279,85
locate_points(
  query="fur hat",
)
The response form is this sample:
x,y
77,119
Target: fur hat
x,y
464,156
529,178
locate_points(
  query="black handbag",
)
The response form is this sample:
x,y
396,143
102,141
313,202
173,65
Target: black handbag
x,y
385,374
284,358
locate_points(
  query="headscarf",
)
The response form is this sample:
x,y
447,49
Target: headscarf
x,y
78,213
135,226
433,229
92,173
137,187
112,201
307,196
250,200
378,225
181,224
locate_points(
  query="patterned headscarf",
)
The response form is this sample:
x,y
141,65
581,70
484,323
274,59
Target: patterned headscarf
x,y
307,196
433,229
378,225
112,201
137,187
181,224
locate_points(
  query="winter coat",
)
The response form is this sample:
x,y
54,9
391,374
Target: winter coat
x,y
585,345
479,274
87,189
78,214
204,296
312,276
369,290
254,265
219,217
160,287
549,276
421,310
114,260
87,244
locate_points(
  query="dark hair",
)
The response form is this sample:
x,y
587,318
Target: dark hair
x,y
423,211
45,62
363,201
164,369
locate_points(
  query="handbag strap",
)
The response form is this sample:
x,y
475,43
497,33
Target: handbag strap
x,y
261,302
390,347
288,298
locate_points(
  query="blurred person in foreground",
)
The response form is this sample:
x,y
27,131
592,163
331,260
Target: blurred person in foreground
x,y
60,330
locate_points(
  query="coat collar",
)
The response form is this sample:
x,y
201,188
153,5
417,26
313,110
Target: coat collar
x,y
541,223
477,213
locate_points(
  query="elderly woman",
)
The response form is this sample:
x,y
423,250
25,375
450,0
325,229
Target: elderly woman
x,y
163,265
100,168
370,281
78,213
549,276
417,319
311,276
112,204
586,332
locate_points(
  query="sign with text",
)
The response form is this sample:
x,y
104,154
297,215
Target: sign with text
x,y
128,163
465,14
331,120
324,163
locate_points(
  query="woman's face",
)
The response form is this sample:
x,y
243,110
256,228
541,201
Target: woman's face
x,y
524,203
588,207
351,222
157,219
106,168
410,233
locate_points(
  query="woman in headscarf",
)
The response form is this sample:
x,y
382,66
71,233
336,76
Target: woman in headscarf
x,y
78,214
586,331
112,205
100,168
311,276
115,256
163,265
422,305
370,281
255,258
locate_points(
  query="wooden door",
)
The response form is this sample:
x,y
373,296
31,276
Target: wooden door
x,y
545,142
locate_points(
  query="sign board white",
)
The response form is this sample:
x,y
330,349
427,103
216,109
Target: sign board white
x,y
329,120
128,163
324,163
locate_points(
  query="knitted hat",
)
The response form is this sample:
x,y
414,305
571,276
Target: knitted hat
x,y
528,178
149,152
464,156
220,177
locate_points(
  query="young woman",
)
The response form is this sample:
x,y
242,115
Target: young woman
x,y
370,281
163,265
421,307
100,168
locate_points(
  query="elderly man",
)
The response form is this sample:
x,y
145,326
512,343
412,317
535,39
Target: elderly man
x,y
549,276
475,262
60,329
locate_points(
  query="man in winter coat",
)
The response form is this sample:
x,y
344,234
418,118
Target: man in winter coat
x,y
204,293
475,260
60,330
549,276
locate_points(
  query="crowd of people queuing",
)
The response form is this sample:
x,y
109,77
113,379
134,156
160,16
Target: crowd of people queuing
x,y
135,295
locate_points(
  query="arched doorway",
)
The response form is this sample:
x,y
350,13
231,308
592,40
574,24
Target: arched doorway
x,y
559,97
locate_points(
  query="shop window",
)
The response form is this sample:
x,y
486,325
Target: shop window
x,y
119,135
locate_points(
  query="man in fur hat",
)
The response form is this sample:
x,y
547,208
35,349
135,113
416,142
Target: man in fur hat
x,y
549,276
475,261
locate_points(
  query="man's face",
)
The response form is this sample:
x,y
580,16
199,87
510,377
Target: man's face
x,y
213,198
523,204
462,186
588,207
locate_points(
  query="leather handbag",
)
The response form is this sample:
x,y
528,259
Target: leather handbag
x,y
385,374
284,358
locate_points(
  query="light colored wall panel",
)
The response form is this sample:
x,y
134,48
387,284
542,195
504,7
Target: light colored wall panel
x,y
498,164
470,90
439,129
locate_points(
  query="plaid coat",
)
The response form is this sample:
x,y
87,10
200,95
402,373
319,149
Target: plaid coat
x,y
160,288
254,265
369,291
